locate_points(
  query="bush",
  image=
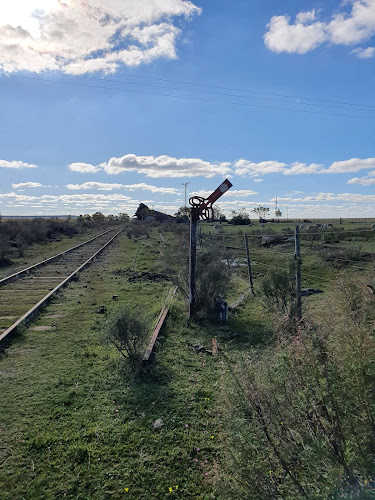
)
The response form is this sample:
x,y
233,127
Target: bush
x,y
212,281
128,330
278,290
304,420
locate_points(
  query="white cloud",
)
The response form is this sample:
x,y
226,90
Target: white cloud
x,y
306,17
84,168
258,180
16,164
363,181
301,168
306,33
156,166
300,38
364,53
79,37
352,165
28,185
101,186
153,189
348,197
245,167
231,193
248,168
104,186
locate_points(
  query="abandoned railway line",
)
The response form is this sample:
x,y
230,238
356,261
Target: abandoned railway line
x,y
24,293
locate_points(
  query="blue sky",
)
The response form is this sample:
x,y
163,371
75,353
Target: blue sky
x,y
277,96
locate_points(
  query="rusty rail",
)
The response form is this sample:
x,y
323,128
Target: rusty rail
x,y
163,314
31,312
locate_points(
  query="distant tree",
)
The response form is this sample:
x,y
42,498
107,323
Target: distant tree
x,y
217,213
239,218
184,211
123,217
87,217
261,212
98,217
142,211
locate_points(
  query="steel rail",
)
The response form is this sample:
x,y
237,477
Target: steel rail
x,y
18,274
31,312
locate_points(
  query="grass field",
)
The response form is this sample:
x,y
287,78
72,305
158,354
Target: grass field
x,y
77,423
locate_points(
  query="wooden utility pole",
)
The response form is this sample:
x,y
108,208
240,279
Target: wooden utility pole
x,y
249,264
297,256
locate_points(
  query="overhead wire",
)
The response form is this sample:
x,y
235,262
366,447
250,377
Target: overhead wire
x,y
191,98
128,75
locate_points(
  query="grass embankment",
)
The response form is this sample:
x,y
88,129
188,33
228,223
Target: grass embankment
x,y
76,424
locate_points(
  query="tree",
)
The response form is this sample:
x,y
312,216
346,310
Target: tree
x,y
142,211
239,218
98,217
123,217
261,212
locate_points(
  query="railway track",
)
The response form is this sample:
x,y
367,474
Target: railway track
x,y
24,293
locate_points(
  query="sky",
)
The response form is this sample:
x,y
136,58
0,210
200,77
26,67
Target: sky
x,y
109,103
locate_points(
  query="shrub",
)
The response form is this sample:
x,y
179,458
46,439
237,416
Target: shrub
x,y
128,330
303,424
278,290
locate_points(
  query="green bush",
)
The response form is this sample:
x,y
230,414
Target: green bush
x,y
303,410
128,330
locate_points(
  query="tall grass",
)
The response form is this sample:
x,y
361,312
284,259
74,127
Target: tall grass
x,y
303,421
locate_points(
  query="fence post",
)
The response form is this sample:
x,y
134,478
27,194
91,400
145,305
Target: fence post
x,y
297,257
249,264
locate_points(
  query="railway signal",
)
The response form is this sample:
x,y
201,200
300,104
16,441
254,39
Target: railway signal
x,y
201,208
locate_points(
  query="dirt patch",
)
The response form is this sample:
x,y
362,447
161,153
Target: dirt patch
x,y
8,317
138,276
53,316
41,328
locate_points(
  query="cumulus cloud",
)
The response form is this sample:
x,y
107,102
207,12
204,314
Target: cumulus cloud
x,y
28,185
348,197
363,181
245,167
248,168
84,168
104,186
302,168
299,37
80,37
257,180
156,166
364,53
306,33
16,164
231,193
352,165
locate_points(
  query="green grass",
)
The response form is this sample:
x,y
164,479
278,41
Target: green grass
x,y
76,423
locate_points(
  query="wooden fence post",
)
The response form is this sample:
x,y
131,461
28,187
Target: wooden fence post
x,y
249,264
